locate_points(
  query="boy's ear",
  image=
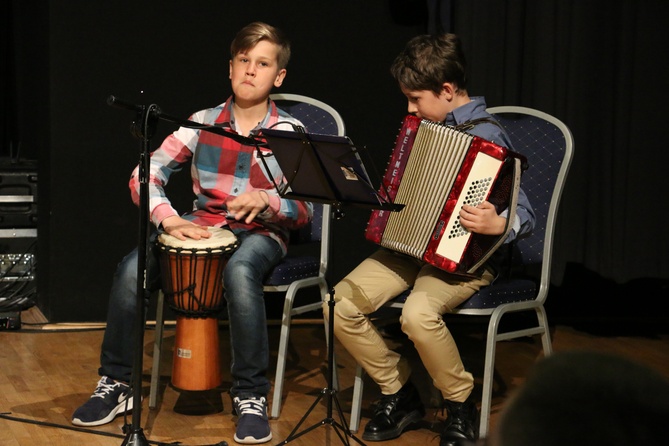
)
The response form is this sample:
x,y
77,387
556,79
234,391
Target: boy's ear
x,y
280,77
448,90
230,73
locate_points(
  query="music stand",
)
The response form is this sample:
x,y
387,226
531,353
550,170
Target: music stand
x,y
324,169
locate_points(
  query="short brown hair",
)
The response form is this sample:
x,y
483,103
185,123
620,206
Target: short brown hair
x,y
428,61
251,34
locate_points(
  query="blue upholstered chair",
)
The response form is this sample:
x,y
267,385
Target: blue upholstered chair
x,y
548,145
297,271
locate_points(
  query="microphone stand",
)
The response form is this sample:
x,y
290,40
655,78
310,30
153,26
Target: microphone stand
x,y
144,128
148,118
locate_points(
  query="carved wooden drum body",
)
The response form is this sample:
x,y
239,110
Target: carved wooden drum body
x,y
192,280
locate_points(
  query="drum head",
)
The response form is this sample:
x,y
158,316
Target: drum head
x,y
220,238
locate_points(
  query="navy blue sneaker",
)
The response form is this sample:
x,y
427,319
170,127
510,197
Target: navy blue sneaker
x,y
110,398
253,424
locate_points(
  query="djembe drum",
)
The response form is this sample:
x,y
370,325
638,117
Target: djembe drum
x,y
192,281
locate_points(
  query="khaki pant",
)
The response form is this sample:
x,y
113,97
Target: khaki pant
x,y
380,278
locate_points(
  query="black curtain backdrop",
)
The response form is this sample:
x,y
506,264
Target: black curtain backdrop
x,y
597,65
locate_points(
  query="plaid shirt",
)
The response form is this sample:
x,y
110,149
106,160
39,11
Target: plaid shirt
x,y
222,168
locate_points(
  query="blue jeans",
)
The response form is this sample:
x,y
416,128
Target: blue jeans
x,y
243,278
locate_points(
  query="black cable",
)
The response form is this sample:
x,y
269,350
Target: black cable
x,y
28,250
7,416
12,297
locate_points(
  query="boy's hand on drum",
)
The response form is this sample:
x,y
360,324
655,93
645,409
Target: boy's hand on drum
x,y
248,204
183,229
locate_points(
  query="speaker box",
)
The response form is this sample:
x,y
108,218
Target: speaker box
x,y
18,194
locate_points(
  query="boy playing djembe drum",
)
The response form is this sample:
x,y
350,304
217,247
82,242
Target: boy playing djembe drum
x,y
233,190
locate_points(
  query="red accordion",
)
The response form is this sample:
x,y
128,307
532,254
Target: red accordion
x,y
434,170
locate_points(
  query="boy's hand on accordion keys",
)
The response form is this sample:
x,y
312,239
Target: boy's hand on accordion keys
x,y
482,219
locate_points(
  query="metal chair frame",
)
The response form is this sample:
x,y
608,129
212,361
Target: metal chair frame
x,y
318,117
560,137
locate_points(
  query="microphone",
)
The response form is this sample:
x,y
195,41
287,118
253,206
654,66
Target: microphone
x,y
155,112
120,103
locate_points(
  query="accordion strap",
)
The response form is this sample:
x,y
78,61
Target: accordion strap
x,y
513,203
468,125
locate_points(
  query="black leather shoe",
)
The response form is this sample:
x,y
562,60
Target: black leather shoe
x,y
462,424
394,414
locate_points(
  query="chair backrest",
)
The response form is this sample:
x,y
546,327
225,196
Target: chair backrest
x,y
317,117
548,145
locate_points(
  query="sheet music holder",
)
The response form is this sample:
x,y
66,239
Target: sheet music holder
x,y
323,169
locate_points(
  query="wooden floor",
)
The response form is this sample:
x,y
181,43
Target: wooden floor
x,y
49,370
